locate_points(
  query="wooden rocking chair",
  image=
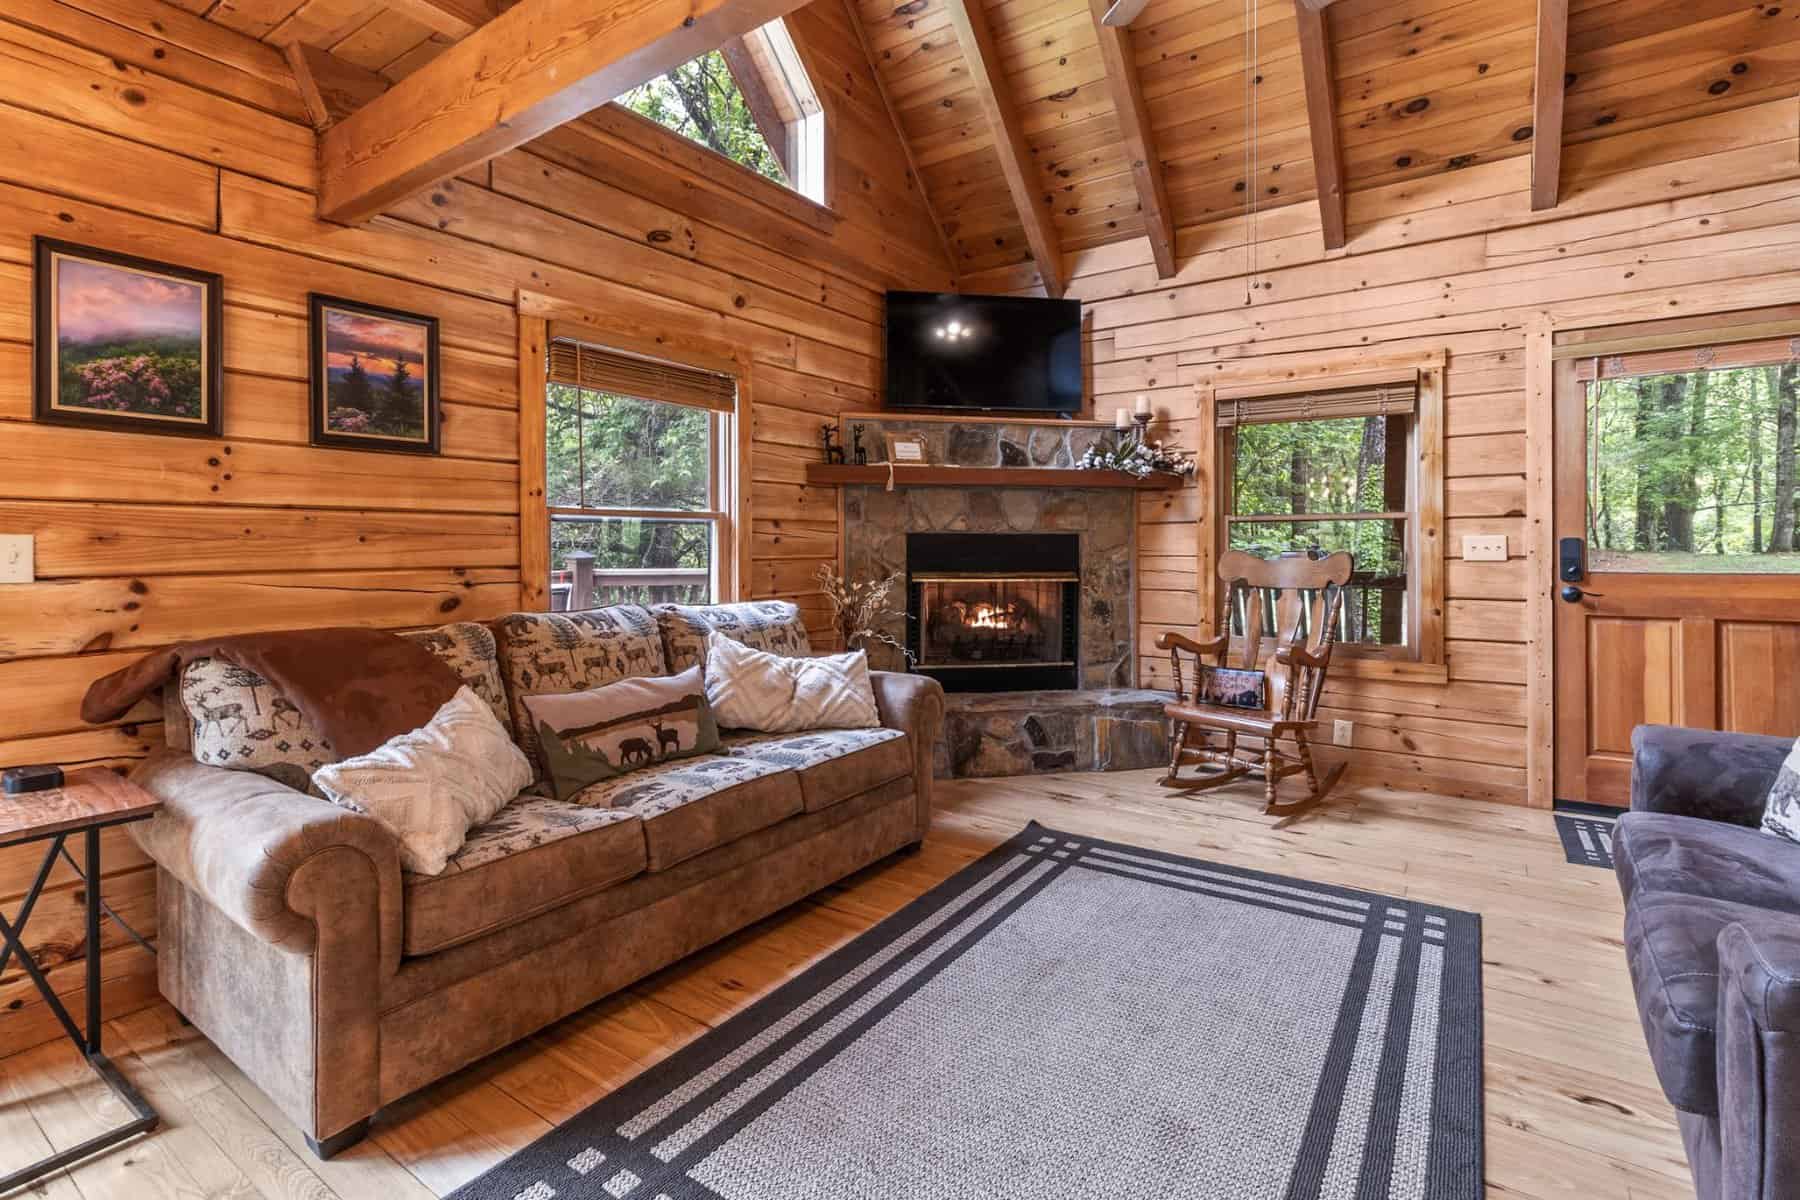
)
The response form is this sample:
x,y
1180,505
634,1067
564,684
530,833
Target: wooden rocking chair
x,y
1305,596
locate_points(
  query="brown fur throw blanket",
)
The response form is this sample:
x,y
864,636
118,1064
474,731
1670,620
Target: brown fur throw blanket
x,y
359,687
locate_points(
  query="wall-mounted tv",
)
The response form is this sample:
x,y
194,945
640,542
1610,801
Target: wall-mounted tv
x,y
983,352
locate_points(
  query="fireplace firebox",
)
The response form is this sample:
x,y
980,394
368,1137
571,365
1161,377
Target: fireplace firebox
x,y
995,612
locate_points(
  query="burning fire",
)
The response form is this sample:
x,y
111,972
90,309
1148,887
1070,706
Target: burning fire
x,y
988,616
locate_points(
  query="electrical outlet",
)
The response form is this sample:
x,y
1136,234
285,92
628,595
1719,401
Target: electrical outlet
x,y
15,558
1484,547
1343,733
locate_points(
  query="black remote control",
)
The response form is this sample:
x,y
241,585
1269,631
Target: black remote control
x,y
30,779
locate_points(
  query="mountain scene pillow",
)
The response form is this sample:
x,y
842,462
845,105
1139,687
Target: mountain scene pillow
x,y
586,737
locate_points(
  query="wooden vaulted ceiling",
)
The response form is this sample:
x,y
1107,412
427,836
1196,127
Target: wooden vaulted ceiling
x,y
1023,112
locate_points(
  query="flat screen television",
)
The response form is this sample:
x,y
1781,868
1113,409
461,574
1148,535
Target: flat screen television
x,y
983,352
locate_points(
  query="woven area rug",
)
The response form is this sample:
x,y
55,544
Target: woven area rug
x,y
1586,833
1070,1017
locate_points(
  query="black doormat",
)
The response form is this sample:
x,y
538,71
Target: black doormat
x,y
1587,833
1071,1017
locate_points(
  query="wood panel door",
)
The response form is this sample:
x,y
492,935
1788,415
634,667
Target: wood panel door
x,y
1675,472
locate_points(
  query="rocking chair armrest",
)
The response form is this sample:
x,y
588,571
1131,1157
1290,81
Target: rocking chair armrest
x,y
1291,655
1180,641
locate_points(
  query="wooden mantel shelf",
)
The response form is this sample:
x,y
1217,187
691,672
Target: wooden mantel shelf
x,y
1037,477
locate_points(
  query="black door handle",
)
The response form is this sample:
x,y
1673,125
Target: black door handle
x,y
1575,595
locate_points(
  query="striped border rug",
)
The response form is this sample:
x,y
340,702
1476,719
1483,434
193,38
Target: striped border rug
x,y
1069,1017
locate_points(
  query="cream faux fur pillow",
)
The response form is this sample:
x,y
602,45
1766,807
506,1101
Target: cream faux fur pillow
x,y
749,689
431,786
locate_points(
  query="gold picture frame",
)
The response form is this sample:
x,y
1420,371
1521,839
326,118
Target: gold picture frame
x,y
907,450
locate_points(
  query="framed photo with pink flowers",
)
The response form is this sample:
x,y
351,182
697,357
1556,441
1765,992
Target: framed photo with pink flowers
x,y
125,343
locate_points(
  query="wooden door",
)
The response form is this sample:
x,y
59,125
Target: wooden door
x,y
1675,469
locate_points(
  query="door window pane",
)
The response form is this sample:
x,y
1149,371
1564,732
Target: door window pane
x,y
1694,471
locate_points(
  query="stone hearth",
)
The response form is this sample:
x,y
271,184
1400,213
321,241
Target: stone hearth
x,y
1033,733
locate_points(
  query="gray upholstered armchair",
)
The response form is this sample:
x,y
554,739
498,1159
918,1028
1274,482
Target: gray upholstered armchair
x,y
1712,931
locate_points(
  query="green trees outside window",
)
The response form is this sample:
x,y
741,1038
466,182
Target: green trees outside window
x,y
1344,483
607,455
703,103
1694,471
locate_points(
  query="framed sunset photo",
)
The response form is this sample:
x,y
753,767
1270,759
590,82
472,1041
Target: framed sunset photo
x,y
125,343
374,377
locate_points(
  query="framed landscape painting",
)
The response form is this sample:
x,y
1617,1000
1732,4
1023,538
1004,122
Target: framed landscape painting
x,y
125,343
374,377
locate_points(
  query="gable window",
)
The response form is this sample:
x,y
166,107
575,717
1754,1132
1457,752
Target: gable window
x,y
751,101
638,472
1343,468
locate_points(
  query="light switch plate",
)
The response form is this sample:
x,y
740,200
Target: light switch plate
x,y
1484,547
15,558
1343,733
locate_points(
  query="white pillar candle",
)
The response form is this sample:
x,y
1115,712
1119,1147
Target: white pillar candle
x,y
1143,405
1121,419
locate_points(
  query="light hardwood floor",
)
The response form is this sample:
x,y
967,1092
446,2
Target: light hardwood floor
x,y
1573,1109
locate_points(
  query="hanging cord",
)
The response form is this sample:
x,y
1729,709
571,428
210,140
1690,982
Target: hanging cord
x,y
1252,61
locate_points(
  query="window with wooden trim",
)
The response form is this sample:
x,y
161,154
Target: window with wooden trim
x,y
1345,466
639,466
751,101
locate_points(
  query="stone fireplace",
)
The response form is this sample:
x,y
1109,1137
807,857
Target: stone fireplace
x,y
994,612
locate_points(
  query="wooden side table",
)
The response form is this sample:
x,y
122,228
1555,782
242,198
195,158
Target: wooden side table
x,y
88,802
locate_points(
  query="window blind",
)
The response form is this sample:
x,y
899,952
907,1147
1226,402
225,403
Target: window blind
x,y
1765,352
1385,400
578,364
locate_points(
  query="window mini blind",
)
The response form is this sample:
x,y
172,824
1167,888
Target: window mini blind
x,y
578,364
1385,400
1764,352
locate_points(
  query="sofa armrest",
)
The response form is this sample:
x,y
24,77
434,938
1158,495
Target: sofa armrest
x,y
1703,773
279,863
1759,1055
915,704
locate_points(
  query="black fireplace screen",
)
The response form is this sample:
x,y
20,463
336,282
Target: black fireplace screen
x,y
970,619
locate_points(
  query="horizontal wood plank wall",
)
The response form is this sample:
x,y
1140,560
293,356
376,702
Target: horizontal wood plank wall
x,y
133,125
1691,218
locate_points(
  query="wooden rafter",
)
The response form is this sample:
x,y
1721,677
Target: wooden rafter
x,y
982,58
534,67
1321,118
452,18
1140,140
893,112
330,88
1547,102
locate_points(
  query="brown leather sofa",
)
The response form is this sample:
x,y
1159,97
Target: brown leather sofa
x,y
292,939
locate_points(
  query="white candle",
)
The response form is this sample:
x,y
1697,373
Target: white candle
x,y
1143,405
1121,419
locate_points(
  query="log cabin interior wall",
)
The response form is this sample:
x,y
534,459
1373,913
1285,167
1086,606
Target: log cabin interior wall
x,y
141,127
176,131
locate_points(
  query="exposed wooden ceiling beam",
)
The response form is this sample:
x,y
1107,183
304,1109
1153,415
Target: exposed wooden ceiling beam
x,y
452,18
982,58
1321,118
534,67
330,88
1140,140
1547,102
893,112
1315,5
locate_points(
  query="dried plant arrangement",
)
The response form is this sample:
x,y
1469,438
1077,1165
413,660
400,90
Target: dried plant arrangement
x,y
859,608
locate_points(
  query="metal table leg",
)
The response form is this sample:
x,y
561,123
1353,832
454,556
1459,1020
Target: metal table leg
x,y
144,1117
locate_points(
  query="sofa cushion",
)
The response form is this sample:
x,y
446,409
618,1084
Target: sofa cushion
x,y
1671,945
532,856
470,649
691,806
1660,852
832,764
239,721
573,652
773,626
